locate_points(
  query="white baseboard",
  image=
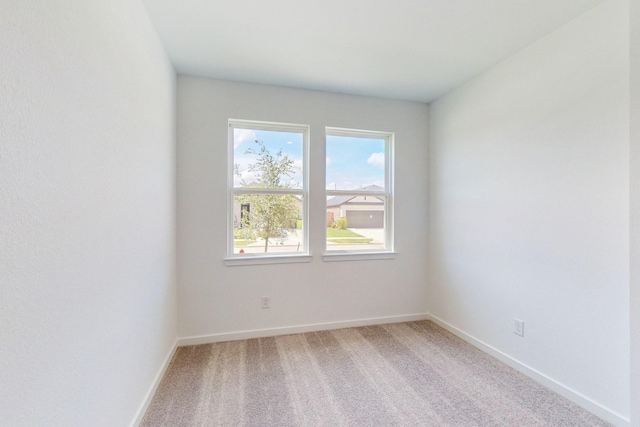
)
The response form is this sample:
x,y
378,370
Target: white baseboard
x,y
272,332
563,390
154,386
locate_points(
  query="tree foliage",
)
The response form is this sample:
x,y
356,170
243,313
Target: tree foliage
x,y
270,215
340,223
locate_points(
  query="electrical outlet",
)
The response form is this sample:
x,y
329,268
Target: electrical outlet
x,y
266,302
518,327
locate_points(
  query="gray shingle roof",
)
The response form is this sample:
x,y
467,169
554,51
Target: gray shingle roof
x,y
340,200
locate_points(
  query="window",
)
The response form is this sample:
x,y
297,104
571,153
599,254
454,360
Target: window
x,y
267,189
359,189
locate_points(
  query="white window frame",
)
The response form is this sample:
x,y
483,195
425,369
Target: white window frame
x,y
388,251
233,259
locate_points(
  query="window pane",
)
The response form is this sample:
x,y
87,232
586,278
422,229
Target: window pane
x,y
355,223
267,223
355,163
267,159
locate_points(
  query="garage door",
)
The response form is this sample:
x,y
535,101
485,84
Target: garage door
x,y
365,219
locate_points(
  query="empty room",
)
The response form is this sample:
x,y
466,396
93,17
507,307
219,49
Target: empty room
x,y
355,213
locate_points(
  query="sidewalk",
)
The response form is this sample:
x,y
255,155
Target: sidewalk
x,y
292,243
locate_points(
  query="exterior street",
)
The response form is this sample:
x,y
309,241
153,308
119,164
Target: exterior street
x,y
293,241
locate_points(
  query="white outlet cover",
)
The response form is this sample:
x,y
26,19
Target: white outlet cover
x,y
518,327
266,302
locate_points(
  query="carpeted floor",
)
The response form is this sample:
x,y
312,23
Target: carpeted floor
x,y
403,374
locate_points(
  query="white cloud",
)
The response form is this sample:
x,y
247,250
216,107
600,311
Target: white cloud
x,y
296,177
242,135
247,176
329,161
376,159
289,142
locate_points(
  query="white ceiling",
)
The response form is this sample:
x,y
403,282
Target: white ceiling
x,y
403,49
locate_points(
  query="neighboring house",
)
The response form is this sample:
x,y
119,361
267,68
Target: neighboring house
x,y
360,211
238,212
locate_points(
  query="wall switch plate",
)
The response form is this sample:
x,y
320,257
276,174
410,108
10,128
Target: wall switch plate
x,y
518,327
266,302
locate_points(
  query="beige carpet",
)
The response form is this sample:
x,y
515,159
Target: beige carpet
x,y
403,374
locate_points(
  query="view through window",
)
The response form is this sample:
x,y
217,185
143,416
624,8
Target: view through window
x,y
269,188
358,190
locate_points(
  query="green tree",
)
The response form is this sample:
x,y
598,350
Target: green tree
x,y
270,215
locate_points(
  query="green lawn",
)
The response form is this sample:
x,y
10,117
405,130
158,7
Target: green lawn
x,y
336,232
242,242
336,235
352,240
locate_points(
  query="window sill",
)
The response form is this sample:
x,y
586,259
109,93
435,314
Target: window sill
x,y
358,256
265,260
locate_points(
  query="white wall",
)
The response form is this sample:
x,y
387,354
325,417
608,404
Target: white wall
x,y
635,211
87,202
529,217
215,299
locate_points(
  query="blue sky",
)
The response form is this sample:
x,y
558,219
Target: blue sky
x,y
352,163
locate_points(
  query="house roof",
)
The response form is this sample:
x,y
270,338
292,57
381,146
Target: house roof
x,y
338,200
341,200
